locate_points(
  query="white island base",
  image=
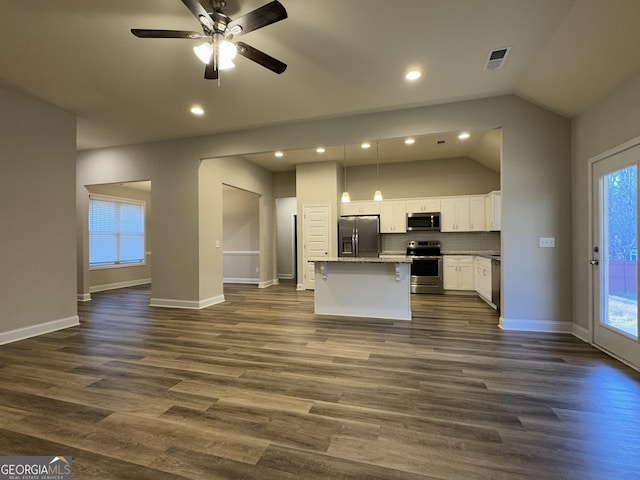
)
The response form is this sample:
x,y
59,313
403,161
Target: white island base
x,y
364,287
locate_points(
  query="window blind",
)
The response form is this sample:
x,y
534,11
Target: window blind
x,y
116,232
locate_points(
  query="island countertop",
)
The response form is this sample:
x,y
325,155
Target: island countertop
x,y
382,259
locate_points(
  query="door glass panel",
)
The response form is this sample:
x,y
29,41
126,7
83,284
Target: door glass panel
x,y
619,300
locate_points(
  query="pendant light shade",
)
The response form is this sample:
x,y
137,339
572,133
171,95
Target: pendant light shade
x,y
345,195
377,196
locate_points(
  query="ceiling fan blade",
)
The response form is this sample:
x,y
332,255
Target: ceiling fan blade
x,y
260,17
200,13
262,58
144,33
210,71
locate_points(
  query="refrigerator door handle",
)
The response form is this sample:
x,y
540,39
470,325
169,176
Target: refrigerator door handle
x,y
356,247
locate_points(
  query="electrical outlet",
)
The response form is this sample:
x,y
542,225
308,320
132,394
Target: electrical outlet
x,y
547,242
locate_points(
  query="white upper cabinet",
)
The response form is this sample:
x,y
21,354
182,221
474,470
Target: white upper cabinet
x,y
454,214
361,208
477,213
493,211
393,216
423,205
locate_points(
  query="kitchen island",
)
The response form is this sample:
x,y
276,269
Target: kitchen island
x,y
378,287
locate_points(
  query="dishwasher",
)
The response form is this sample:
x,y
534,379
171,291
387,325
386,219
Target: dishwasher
x,y
495,282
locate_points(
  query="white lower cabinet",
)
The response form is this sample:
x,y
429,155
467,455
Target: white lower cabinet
x,y
458,272
482,277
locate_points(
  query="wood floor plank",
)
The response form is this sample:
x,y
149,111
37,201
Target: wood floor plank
x,y
258,387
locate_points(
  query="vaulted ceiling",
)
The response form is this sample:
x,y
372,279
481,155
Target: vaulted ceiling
x,y
343,57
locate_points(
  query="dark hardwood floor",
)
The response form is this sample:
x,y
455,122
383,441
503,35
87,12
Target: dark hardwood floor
x,y
260,388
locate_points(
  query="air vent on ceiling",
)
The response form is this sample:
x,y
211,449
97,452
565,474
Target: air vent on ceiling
x,y
496,58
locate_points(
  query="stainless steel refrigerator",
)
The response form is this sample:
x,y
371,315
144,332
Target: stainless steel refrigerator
x,y
359,236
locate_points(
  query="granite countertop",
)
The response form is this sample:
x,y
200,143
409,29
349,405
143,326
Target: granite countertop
x,y
381,259
479,253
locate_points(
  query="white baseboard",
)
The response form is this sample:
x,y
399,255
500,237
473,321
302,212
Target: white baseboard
x,y
114,286
525,325
187,304
248,281
269,283
582,333
300,286
285,276
40,329
84,297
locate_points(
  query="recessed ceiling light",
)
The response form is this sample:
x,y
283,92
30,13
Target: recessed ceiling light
x,y
365,145
413,74
279,154
320,150
197,110
410,141
464,135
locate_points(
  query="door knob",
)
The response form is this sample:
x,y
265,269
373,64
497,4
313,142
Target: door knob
x,y
594,261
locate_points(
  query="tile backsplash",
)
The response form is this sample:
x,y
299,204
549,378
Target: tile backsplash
x,y
450,242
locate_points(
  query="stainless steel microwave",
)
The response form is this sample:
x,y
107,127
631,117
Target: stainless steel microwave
x,y
423,221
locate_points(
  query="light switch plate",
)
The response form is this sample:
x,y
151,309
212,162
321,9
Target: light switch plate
x,y
547,242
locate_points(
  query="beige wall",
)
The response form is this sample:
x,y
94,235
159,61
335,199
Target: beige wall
x,y
536,186
284,184
613,121
37,219
286,208
317,183
107,278
241,235
429,178
173,169
242,174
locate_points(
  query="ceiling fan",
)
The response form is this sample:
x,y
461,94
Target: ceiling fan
x,y
217,50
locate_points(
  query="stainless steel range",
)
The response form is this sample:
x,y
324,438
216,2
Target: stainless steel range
x,y
426,269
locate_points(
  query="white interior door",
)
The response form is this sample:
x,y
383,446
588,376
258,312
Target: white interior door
x,y
316,235
614,254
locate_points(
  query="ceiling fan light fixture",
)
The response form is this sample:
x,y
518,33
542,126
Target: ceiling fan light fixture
x,y
204,52
227,51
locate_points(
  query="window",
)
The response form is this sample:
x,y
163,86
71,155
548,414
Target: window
x,y
116,232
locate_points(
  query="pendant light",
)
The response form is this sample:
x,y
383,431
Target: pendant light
x,y
377,196
345,195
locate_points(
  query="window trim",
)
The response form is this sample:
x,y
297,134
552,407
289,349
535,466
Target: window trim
x,y
111,198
